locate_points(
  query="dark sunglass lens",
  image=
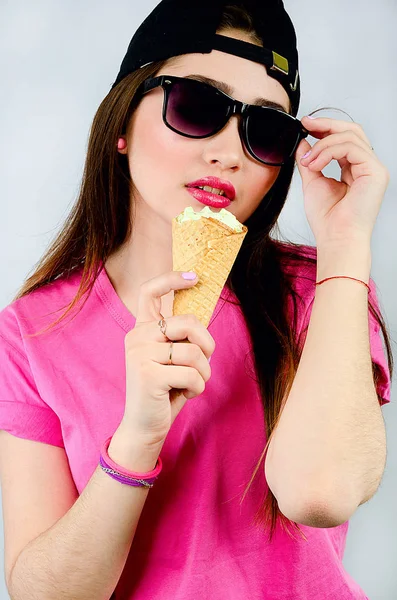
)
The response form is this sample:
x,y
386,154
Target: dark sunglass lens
x,y
195,108
272,135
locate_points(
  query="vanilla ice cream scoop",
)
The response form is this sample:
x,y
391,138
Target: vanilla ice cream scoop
x,y
223,215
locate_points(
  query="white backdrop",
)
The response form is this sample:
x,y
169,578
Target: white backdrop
x,y
57,62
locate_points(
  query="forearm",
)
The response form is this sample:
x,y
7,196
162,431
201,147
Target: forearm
x,y
83,555
330,444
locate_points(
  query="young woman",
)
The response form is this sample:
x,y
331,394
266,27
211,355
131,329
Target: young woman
x,y
242,485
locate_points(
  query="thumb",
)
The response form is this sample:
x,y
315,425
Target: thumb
x,y
305,173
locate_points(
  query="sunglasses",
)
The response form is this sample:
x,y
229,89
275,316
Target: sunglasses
x,y
198,110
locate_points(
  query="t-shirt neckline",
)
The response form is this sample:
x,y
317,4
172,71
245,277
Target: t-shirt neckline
x,y
118,309
112,300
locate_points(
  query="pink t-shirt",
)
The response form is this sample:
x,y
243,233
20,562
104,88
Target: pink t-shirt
x,y
194,539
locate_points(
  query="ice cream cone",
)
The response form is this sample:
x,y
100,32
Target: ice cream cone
x,y
208,247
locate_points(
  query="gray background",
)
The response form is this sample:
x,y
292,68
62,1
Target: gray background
x,y
58,61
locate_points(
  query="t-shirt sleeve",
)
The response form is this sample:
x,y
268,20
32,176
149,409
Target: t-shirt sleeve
x,y
379,357
23,413
382,378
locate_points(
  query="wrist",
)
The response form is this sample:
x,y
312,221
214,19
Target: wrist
x,y
131,452
353,260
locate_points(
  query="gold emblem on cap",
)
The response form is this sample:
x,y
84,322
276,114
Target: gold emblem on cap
x,y
280,63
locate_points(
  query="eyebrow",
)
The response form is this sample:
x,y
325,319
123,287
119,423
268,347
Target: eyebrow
x,y
225,87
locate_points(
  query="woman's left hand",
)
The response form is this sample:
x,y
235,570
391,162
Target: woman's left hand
x,y
346,210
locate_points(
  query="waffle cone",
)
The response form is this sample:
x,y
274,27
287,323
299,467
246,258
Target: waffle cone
x,y
208,247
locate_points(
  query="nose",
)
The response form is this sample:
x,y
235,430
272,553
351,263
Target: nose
x,y
226,146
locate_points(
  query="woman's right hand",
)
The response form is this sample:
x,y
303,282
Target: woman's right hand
x,y
149,410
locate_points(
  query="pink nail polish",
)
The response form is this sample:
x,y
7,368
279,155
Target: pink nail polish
x,y
189,276
307,154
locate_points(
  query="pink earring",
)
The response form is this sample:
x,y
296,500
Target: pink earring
x,y
122,144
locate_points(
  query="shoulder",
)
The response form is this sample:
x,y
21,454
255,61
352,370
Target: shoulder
x,y
38,309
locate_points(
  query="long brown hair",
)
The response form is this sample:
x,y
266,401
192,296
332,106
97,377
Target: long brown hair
x,y
100,222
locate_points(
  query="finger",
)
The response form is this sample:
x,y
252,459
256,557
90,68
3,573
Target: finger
x,y
150,293
322,127
332,140
187,379
301,150
307,176
183,355
186,327
354,154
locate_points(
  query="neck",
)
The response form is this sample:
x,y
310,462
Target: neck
x,y
147,254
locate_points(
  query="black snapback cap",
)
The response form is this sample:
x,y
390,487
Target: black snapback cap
x,y
178,27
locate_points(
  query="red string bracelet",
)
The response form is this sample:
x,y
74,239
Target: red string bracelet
x,y
344,277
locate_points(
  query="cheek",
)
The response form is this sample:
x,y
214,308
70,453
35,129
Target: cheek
x,y
262,181
154,147
146,143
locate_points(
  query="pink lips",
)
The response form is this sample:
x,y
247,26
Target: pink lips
x,y
209,199
214,182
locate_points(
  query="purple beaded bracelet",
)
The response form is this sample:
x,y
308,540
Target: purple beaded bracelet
x,y
128,477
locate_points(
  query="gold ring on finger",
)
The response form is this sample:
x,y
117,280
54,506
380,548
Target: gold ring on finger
x,y
163,325
170,357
